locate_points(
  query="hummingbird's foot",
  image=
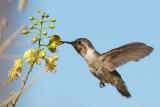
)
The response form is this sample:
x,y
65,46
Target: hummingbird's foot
x,y
101,84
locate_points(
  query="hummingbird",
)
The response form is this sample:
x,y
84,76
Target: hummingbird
x,y
103,65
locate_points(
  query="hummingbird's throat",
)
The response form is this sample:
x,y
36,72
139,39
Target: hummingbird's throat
x,y
89,54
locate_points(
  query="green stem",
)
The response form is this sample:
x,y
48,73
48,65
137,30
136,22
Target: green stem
x,y
44,45
23,85
40,35
25,81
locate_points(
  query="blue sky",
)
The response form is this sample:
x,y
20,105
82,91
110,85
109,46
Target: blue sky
x,y
108,24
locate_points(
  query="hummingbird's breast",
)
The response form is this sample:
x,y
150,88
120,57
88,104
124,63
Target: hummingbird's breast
x,y
97,68
95,63
100,73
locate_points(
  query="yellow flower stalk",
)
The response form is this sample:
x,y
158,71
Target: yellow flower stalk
x,y
33,56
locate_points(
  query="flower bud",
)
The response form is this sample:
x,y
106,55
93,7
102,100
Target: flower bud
x,y
51,26
44,32
35,39
35,23
31,18
46,15
25,31
39,10
41,20
52,20
31,26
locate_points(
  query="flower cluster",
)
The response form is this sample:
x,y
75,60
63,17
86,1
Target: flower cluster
x,y
36,56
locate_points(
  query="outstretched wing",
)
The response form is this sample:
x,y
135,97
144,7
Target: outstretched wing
x,y
121,55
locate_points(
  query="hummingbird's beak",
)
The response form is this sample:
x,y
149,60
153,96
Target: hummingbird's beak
x,y
71,43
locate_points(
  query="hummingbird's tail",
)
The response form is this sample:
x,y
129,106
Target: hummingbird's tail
x,y
120,85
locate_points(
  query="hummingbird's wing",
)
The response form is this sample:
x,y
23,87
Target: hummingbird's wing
x,y
121,55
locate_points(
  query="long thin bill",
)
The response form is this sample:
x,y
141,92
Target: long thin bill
x,y
67,42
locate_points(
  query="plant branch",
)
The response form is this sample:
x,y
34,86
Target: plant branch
x,y
29,71
23,85
31,57
12,98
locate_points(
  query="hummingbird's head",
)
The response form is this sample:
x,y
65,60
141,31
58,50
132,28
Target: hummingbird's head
x,y
81,45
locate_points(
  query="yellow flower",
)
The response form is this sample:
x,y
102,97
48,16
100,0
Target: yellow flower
x,y
52,47
30,56
15,71
55,57
14,74
38,61
55,39
18,63
50,63
42,54
28,53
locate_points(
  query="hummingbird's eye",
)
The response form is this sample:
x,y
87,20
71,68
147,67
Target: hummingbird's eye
x,y
79,42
